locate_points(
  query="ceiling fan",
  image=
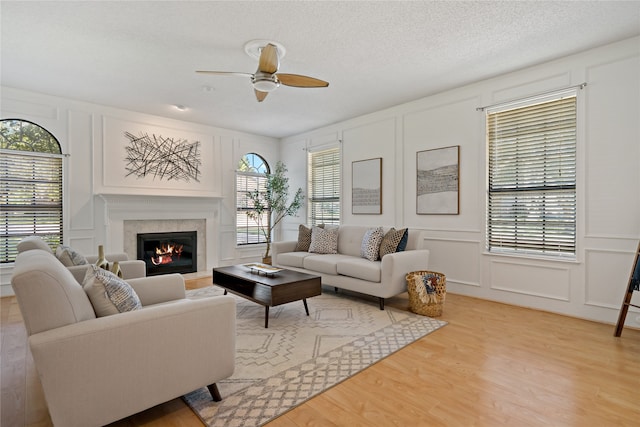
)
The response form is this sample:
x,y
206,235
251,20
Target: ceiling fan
x,y
266,78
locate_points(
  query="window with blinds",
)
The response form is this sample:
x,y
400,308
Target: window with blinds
x,y
30,186
251,175
532,178
323,191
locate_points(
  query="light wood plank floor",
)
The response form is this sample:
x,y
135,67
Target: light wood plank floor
x,y
493,365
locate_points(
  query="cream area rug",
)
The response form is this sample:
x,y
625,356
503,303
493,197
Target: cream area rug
x,y
300,356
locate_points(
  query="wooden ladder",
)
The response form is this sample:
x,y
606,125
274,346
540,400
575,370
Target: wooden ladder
x,y
634,285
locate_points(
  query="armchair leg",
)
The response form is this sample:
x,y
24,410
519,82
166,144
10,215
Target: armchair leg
x,y
381,300
215,393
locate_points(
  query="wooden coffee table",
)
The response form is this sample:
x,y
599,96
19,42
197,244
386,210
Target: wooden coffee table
x,y
268,290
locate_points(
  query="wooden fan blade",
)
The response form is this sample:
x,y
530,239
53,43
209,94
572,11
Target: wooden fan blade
x,y
260,96
225,73
269,59
297,80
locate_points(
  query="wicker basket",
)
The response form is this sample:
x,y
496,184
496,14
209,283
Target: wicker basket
x,y
422,302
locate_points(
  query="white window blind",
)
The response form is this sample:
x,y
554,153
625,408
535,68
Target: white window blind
x,y
250,176
532,178
30,186
324,187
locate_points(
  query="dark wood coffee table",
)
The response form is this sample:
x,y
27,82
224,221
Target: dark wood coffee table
x,y
268,290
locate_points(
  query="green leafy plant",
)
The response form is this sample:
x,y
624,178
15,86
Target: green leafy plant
x,y
271,206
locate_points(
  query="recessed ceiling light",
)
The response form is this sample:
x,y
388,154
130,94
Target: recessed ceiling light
x,y
180,107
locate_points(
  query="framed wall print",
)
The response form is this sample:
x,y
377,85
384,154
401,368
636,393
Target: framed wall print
x,y
437,179
366,186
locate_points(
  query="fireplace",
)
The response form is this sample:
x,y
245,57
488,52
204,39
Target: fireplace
x,y
171,252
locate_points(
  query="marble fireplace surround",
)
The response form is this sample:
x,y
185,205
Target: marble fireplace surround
x,y
126,216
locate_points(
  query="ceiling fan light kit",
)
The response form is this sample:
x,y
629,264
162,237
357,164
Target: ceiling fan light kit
x,y
264,82
265,79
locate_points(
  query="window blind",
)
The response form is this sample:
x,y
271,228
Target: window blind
x,y
324,187
30,199
532,178
247,229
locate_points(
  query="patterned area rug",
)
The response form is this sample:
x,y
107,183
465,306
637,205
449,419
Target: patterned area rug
x,y
300,356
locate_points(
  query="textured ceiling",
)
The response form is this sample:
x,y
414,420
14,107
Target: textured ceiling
x,y
141,56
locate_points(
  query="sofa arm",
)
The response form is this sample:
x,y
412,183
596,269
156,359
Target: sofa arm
x,y
133,268
101,370
395,267
159,289
280,248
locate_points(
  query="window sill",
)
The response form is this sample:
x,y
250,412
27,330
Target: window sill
x,y
534,257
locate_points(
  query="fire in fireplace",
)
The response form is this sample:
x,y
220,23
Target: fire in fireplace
x,y
171,252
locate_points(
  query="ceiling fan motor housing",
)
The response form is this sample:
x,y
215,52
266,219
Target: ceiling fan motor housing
x,y
264,82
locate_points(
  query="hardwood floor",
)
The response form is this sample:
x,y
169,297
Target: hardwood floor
x,y
493,365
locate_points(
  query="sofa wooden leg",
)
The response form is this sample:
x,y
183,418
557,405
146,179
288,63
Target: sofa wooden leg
x,y
215,393
381,303
336,289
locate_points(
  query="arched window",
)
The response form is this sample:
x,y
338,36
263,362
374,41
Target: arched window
x,y
251,175
30,186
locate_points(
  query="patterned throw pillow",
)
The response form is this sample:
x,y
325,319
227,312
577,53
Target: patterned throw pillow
x,y
370,248
394,241
108,293
324,241
69,256
304,238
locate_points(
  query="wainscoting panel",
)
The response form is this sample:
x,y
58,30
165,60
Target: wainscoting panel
x,y
458,260
530,279
607,277
80,190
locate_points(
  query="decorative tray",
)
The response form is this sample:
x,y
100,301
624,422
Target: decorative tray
x,y
263,268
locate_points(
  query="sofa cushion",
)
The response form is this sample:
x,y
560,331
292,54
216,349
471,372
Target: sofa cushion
x,y
350,239
108,293
394,241
370,247
324,241
292,259
69,256
325,264
359,268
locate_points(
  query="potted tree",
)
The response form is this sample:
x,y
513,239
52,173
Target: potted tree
x,y
271,205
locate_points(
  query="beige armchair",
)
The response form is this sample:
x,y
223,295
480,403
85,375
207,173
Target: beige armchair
x,y
96,370
131,269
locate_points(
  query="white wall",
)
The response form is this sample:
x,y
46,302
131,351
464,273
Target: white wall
x,y
608,182
95,207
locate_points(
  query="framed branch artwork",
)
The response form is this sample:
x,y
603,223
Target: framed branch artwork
x,y
145,159
437,177
366,186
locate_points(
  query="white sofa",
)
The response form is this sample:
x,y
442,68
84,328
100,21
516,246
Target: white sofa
x,y
96,370
348,270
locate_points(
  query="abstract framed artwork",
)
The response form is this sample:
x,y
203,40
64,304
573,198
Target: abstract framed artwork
x,y
437,177
144,159
366,186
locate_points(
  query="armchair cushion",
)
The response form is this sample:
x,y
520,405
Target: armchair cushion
x,y
108,293
69,256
